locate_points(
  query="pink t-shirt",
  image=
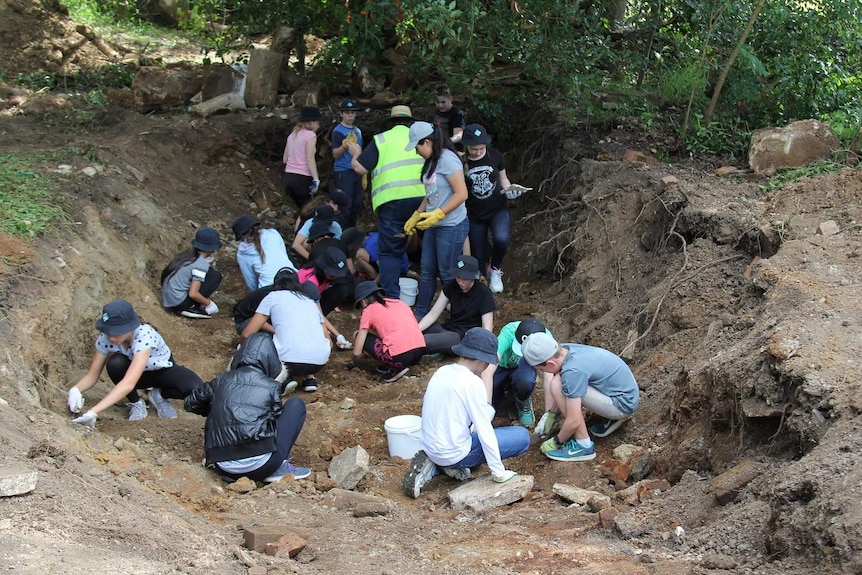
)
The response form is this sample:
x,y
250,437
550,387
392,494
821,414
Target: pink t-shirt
x,y
307,275
395,324
295,158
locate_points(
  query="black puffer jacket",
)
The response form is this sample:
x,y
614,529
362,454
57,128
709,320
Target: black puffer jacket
x,y
241,405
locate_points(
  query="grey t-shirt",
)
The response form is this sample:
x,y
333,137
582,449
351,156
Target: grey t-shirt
x,y
438,190
176,287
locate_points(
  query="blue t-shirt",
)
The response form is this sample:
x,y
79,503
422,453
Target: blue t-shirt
x,y
586,365
334,227
339,132
370,246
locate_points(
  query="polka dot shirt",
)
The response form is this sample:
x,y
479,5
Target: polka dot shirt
x,y
144,338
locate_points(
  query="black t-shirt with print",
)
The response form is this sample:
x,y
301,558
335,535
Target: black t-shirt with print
x,y
448,121
483,186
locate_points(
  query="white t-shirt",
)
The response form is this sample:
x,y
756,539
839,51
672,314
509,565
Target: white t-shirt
x,y
145,337
454,400
298,323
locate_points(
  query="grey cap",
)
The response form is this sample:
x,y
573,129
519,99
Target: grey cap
x,y
538,348
478,343
418,131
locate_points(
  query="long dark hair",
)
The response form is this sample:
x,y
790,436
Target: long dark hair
x,y
376,297
288,281
439,142
182,259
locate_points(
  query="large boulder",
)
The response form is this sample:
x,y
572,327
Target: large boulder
x,y
796,144
157,89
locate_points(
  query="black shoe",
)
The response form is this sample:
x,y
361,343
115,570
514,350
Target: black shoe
x,y
393,374
195,312
308,385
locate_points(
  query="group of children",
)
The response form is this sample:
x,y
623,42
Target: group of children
x,y
287,338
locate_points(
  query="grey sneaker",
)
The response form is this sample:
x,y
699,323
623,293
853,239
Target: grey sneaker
x,y
526,417
137,410
460,473
421,471
163,406
288,468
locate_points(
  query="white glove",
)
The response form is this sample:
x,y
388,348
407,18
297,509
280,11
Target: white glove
x,y
513,194
88,419
315,184
342,342
506,476
211,308
540,427
75,400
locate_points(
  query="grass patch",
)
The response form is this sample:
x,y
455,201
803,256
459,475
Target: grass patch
x,y
793,174
28,203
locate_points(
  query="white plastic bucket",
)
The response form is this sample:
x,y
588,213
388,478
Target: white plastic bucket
x,y
409,290
402,433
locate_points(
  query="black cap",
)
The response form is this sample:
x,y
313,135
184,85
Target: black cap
x,y
242,225
475,135
525,328
348,106
318,229
332,262
466,267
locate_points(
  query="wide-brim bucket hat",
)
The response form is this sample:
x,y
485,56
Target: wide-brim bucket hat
x,y
475,135
478,343
207,240
242,225
310,114
365,289
118,317
398,115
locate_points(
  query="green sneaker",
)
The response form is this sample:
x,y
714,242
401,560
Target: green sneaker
x,y
526,417
572,451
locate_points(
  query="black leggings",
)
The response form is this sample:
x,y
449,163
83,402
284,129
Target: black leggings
x,y
438,339
304,369
373,346
339,292
174,382
288,425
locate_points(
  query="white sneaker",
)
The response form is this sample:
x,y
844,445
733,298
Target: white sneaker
x,y
163,406
137,410
496,283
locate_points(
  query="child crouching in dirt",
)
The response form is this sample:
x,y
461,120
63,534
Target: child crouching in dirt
x,y
136,357
189,281
455,399
248,432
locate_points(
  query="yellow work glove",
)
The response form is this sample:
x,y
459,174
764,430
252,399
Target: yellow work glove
x,y
349,139
410,225
430,219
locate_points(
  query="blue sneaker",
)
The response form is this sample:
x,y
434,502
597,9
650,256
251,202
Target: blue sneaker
x,y
604,426
288,468
572,451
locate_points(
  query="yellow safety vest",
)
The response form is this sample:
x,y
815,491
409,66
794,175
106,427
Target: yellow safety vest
x,y
397,173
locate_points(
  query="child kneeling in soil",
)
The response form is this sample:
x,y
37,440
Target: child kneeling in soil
x,y
136,358
387,331
189,281
455,399
248,432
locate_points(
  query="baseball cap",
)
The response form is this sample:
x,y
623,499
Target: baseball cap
x,y
418,131
526,328
332,262
538,348
466,267
478,343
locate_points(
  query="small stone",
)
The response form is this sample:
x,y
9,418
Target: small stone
x,y
90,171
828,228
242,485
725,171
347,404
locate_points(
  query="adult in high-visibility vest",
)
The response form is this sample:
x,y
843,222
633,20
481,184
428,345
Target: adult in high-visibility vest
x,y
396,190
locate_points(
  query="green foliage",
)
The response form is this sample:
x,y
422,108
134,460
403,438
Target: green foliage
x,y
28,205
793,174
717,138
